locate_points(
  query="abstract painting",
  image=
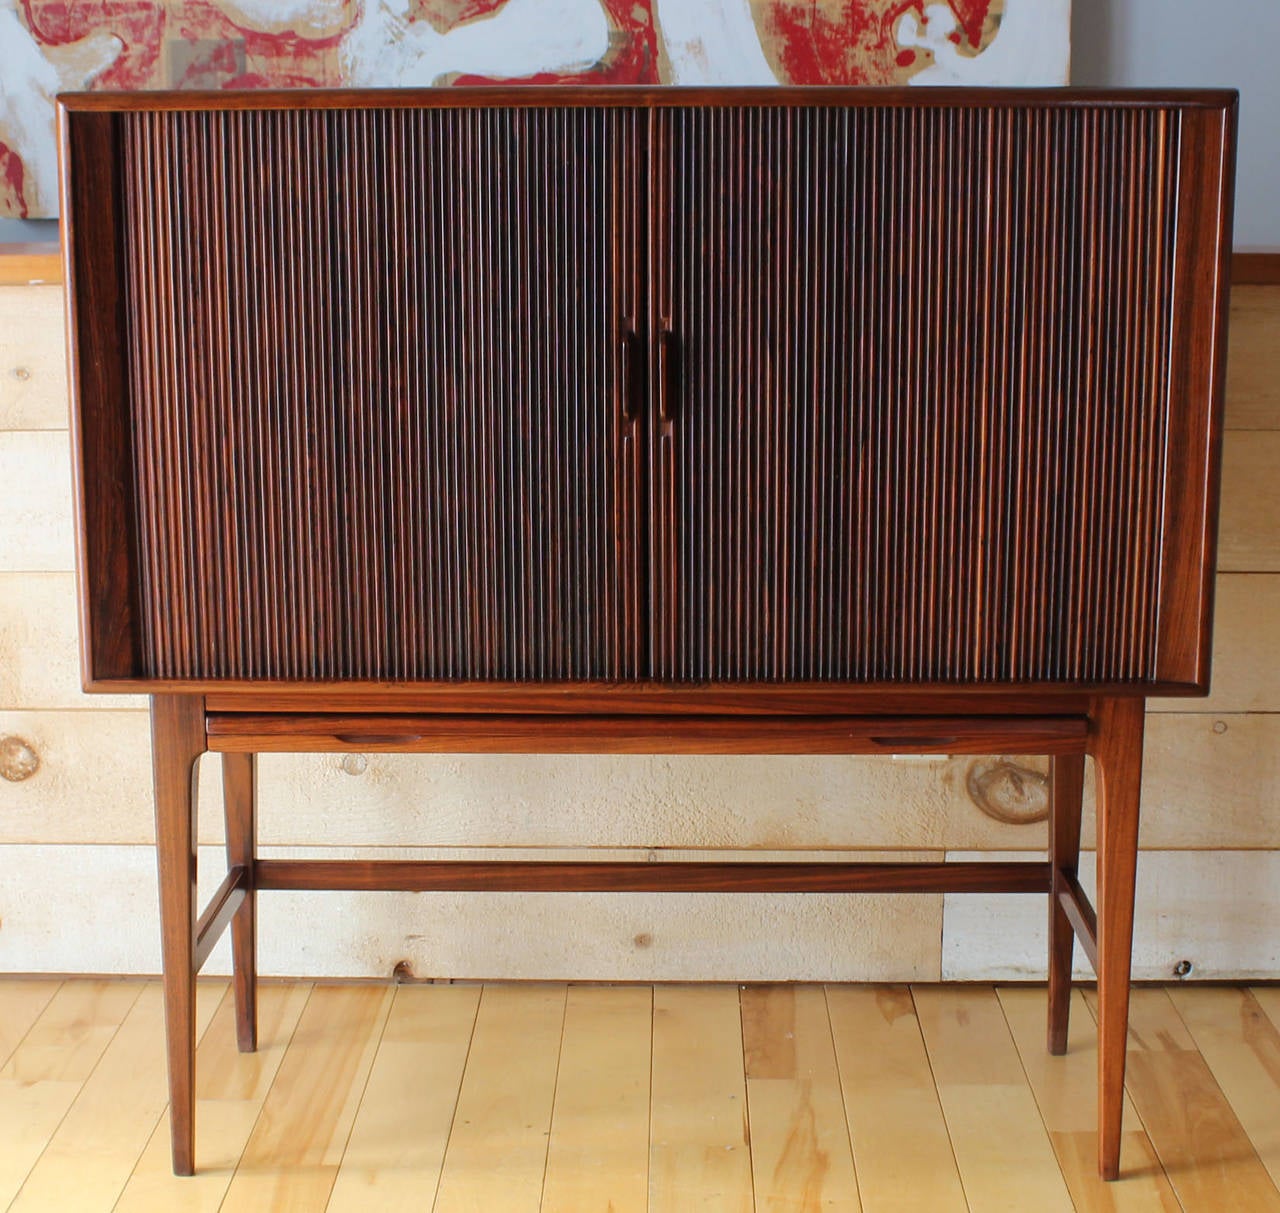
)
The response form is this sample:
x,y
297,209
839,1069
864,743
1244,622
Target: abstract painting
x,y
47,46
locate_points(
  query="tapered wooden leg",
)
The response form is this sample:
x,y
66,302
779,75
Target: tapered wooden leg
x,y
1066,797
177,741
240,795
1116,741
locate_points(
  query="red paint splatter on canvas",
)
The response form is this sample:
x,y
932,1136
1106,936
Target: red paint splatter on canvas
x,y
632,57
971,15
444,15
194,44
851,41
215,52
12,200
816,45
139,24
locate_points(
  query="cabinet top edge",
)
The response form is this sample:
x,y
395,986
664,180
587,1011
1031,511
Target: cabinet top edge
x,y
533,96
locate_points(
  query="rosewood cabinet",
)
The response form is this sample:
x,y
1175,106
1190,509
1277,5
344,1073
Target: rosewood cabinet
x,y
777,421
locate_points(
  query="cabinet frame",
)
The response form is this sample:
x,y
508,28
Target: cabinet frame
x,y
107,556
1067,719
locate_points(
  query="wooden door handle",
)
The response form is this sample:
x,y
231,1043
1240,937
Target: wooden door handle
x,y
627,375
668,361
359,739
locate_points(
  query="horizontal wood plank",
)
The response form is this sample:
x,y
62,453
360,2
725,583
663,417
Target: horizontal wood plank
x,y
35,507
1249,532
1246,649
1216,909
33,358
1210,781
618,936
89,779
39,648
654,95
1213,909
28,263
1255,267
92,785
1253,387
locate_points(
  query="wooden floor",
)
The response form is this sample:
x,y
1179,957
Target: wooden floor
x,y
526,1097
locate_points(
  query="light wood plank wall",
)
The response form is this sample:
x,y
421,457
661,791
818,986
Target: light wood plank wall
x,y
77,887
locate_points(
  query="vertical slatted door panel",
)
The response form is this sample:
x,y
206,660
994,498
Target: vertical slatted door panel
x,y
920,393
376,391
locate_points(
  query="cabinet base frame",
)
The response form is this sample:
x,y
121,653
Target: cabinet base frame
x,y
1108,729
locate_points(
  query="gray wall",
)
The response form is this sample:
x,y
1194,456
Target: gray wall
x,y
19,231
1197,42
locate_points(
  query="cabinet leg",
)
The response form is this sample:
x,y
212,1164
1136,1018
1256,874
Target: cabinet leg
x,y
240,794
1066,797
1116,739
177,741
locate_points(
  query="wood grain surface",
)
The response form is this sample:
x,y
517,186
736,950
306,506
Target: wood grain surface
x,y
653,1100
655,340
33,368
1253,388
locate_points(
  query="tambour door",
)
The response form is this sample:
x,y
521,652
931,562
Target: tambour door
x,y
372,377
936,389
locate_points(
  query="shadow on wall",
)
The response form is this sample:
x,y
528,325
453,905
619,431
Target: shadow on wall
x,y
1094,31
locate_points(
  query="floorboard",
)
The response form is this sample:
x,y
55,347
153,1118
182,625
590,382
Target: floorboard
x,y
598,1157
231,1088
497,1152
1241,1047
801,1160
394,1158
699,1152
91,1154
1202,1145
292,1156
1066,1092
900,1143
49,1063
554,1098
1002,1147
